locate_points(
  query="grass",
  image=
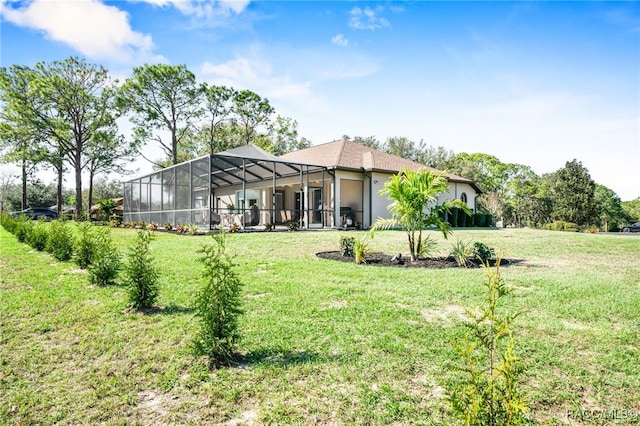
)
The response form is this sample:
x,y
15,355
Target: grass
x,y
323,342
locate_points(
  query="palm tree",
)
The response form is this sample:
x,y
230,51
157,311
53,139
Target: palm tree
x,y
414,207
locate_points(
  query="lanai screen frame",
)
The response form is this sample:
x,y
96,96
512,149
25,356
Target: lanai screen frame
x,y
154,198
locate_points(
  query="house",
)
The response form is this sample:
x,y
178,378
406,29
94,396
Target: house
x,y
331,185
359,173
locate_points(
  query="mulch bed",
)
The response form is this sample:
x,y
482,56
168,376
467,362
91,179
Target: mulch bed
x,y
383,259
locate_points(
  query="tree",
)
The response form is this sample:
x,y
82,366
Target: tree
x,y
106,153
414,195
66,103
608,207
572,194
219,102
251,111
284,136
632,210
370,141
405,148
438,158
162,98
18,141
6,180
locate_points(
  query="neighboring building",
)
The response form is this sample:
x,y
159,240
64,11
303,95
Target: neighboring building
x,y
325,186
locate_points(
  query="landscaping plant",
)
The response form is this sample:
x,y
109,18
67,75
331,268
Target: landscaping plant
x,y
105,262
360,250
218,304
483,252
60,242
141,275
39,236
85,246
462,251
346,245
414,208
489,393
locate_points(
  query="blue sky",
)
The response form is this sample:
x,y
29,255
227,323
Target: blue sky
x,y
536,83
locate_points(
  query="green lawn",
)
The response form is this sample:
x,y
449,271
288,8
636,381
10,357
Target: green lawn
x,y
325,342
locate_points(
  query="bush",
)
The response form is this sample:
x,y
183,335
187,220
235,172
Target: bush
x,y
8,223
85,247
346,246
561,225
483,252
488,392
453,217
360,251
23,230
141,276
294,226
60,242
479,219
39,236
105,263
461,251
218,304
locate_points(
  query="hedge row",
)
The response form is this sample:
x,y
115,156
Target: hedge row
x,y
458,219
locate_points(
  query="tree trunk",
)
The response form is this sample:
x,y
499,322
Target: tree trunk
x,y
90,191
59,190
78,167
24,184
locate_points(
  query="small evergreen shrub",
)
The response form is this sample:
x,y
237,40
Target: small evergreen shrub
x,y
9,223
294,226
218,304
85,246
60,242
346,246
23,229
141,276
488,392
482,252
479,219
39,236
105,263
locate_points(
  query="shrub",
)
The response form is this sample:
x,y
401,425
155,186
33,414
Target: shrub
x,y
60,242
294,226
479,219
453,217
85,246
141,276
39,236
483,252
360,250
218,304
461,251
105,263
346,246
8,223
167,226
488,393
23,229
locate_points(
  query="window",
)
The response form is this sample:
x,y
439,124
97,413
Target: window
x,y
463,197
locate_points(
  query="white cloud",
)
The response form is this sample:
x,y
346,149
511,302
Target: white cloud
x,y
340,40
366,19
91,27
202,8
256,75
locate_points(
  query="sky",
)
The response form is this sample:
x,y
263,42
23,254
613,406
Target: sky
x,y
535,83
